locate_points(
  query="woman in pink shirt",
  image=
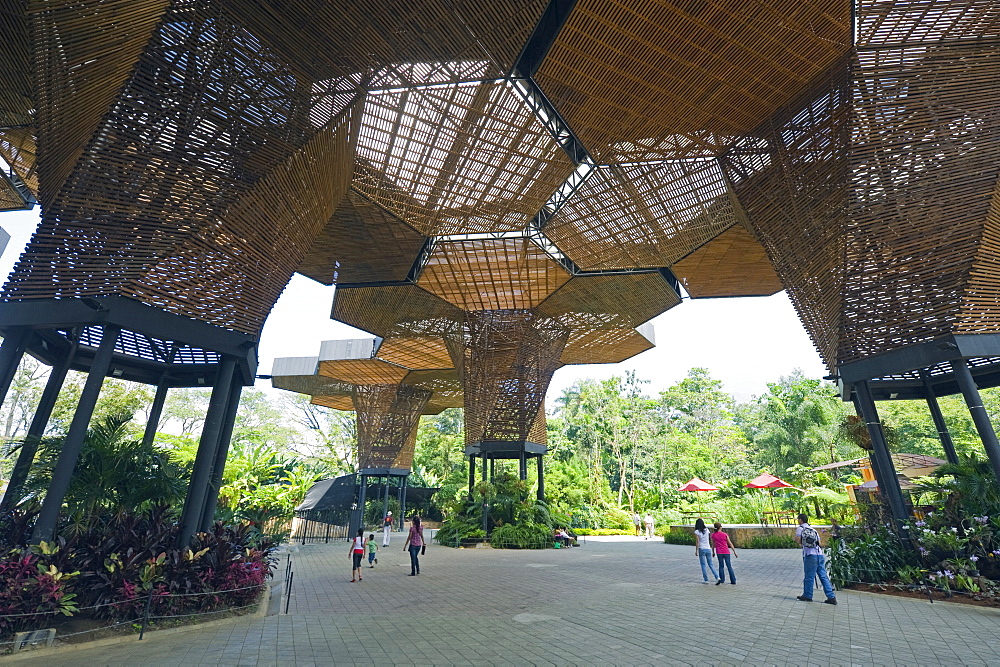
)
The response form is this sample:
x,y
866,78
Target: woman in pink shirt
x,y
415,542
721,547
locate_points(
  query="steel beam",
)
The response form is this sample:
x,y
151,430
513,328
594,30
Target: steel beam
x,y
979,415
942,428
888,482
221,454
11,350
62,474
39,421
194,503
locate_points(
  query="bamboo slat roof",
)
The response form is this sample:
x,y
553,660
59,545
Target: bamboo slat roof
x,y
192,154
734,263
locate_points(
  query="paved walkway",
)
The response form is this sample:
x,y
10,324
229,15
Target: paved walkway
x,y
612,601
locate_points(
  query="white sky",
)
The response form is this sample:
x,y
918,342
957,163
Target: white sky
x,y
745,342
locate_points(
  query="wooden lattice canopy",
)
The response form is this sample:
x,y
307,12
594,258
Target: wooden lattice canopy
x,y
192,154
387,398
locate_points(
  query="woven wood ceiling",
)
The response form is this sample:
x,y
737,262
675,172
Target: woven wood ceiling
x,y
477,156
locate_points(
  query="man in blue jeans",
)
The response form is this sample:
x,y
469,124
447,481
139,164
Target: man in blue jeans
x,y
812,562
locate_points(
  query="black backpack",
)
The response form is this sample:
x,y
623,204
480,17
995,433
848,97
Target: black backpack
x,y
809,537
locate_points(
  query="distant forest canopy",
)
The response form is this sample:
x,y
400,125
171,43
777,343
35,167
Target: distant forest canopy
x,y
611,442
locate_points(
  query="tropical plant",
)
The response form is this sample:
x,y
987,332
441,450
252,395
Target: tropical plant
x,y
114,472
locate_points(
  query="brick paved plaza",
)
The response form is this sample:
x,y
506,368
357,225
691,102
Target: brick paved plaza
x,y
612,601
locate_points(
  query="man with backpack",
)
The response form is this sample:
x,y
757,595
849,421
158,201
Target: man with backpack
x,y
812,562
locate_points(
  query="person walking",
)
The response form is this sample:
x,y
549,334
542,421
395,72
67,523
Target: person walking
x,y
415,542
813,562
637,520
386,528
649,525
372,551
357,552
722,547
703,549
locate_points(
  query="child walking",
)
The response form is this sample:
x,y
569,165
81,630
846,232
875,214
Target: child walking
x,y
357,552
721,547
372,551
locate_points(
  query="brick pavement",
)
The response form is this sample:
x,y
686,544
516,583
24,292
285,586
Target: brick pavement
x,y
612,601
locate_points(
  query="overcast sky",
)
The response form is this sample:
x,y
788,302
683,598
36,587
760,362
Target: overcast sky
x,y
745,342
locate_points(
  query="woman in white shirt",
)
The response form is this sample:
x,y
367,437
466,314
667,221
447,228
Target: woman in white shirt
x,y
703,549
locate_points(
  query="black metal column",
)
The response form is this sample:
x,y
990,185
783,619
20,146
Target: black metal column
x,y
942,428
155,411
385,505
11,350
979,416
194,503
522,470
888,482
358,517
45,525
472,473
493,469
39,421
221,454
872,459
402,502
541,479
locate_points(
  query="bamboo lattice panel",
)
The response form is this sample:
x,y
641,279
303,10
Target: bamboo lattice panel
x,y
731,264
885,22
403,310
613,301
492,274
644,215
506,360
388,416
469,157
603,346
923,247
343,403
425,352
204,165
362,36
791,177
636,78
10,198
361,243
17,148
16,104
362,371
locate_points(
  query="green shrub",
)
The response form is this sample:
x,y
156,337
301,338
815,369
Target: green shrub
x,y
678,536
771,542
523,536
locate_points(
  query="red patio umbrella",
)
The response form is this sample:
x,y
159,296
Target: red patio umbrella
x,y
698,484
768,481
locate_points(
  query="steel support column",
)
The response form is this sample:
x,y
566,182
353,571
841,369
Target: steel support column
x,y
39,421
522,468
358,518
11,350
472,474
979,415
541,480
402,502
45,525
888,482
194,503
942,428
221,453
155,411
